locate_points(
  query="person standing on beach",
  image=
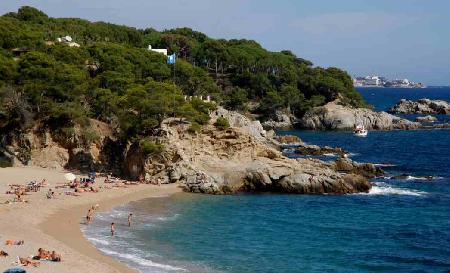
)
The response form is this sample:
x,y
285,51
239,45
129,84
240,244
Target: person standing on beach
x,y
113,229
129,219
89,217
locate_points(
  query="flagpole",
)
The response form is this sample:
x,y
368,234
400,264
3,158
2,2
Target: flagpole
x,y
172,59
174,85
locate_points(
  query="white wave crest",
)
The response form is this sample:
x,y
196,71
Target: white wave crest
x,y
167,218
386,165
98,241
141,261
389,190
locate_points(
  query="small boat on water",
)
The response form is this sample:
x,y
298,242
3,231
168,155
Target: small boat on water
x,y
360,131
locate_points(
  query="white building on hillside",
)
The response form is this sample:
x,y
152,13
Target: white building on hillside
x,y
67,40
159,50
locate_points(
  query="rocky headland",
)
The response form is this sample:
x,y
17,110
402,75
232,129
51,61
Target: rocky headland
x,y
422,106
242,158
334,116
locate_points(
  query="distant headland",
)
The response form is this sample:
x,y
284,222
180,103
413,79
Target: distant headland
x,y
378,81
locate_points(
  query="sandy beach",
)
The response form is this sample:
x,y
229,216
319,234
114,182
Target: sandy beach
x,y
54,224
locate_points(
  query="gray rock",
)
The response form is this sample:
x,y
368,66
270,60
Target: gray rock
x,y
315,150
334,116
422,106
426,119
281,120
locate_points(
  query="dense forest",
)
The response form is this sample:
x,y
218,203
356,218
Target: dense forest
x,y
112,76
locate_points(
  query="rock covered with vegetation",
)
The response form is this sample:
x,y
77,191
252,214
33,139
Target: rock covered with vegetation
x,y
105,102
113,78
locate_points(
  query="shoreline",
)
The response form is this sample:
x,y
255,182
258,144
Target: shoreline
x,y
64,226
55,224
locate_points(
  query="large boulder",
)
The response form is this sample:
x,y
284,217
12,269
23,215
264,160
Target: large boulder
x,y
422,106
334,116
280,120
315,150
346,165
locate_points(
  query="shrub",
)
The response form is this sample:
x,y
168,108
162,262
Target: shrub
x,y
89,136
222,123
194,128
149,146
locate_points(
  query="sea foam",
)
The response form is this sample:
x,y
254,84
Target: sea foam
x,y
98,241
384,189
141,261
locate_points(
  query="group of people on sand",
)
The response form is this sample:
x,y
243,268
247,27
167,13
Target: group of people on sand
x,y
79,187
42,254
47,255
14,243
21,190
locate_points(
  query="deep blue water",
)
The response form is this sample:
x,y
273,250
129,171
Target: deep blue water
x,y
399,226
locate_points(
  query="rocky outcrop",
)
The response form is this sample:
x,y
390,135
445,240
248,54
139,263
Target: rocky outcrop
x,y
422,106
334,116
252,127
236,160
242,158
315,150
426,119
364,169
288,140
281,120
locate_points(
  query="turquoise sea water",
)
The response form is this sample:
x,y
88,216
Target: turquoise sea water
x,y
399,226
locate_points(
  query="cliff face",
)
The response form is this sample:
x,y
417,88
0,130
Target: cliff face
x,y
422,106
43,148
334,116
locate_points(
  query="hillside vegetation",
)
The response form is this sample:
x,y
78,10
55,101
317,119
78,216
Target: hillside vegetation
x,y
112,77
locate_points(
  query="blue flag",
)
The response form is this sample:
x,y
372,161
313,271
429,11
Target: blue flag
x,y
171,59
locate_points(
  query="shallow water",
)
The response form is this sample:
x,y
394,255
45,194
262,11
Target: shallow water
x,y
399,226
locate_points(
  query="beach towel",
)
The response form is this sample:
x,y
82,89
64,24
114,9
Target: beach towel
x,y
15,270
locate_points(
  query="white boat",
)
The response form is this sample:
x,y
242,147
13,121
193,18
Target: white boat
x,y
360,131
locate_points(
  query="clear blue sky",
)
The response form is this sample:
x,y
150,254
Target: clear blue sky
x,y
396,38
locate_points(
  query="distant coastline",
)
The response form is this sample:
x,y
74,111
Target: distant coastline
x,y
379,81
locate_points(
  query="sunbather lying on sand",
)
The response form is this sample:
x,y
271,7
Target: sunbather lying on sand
x,y
16,243
47,255
54,257
27,262
3,254
42,255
